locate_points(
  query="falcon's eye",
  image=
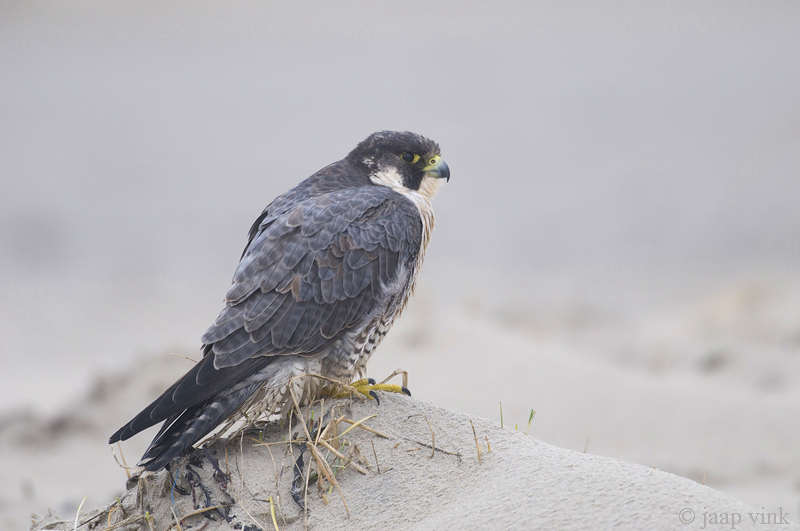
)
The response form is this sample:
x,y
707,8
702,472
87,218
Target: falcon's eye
x,y
408,157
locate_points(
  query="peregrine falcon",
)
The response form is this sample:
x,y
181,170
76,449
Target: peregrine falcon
x,y
327,268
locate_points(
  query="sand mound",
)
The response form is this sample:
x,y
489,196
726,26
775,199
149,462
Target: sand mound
x,y
521,483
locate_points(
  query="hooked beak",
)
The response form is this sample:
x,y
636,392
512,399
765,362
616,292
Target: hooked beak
x,y
438,168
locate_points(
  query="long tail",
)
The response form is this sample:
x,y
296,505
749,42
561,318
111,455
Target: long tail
x,y
184,430
194,405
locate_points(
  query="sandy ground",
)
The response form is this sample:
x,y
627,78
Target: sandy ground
x,y
713,426
429,468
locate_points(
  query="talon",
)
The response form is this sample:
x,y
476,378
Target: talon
x,y
374,395
367,387
362,382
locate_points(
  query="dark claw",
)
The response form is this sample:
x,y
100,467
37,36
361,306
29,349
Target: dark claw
x,y
372,381
405,390
374,395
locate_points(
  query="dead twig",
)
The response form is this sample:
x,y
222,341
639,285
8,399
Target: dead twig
x,y
395,373
376,432
426,445
325,468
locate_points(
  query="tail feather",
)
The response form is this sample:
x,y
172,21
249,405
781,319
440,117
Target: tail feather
x,y
184,430
202,384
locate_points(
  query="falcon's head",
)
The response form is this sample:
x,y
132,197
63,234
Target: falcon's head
x,y
406,162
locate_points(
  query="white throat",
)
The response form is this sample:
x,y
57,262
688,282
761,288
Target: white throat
x,y
421,197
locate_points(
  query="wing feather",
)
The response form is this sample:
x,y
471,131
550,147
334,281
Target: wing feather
x,y
313,271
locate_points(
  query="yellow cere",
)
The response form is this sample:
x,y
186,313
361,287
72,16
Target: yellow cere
x,y
433,162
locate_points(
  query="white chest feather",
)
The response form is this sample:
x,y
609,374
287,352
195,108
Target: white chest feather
x,y
421,198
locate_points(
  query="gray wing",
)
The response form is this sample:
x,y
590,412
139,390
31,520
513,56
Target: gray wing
x,y
314,270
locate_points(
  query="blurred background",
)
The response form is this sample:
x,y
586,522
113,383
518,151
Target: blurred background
x,y
617,249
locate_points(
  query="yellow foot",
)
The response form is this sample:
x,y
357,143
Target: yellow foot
x,y
368,388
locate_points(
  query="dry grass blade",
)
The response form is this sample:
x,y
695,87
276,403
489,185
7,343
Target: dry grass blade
x,y
184,357
334,426
177,520
354,424
124,463
320,431
243,487
338,454
305,503
272,512
356,452
477,447
433,437
78,513
277,489
296,404
275,468
426,445
321,463
376,457
501,414
276,443
323,466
